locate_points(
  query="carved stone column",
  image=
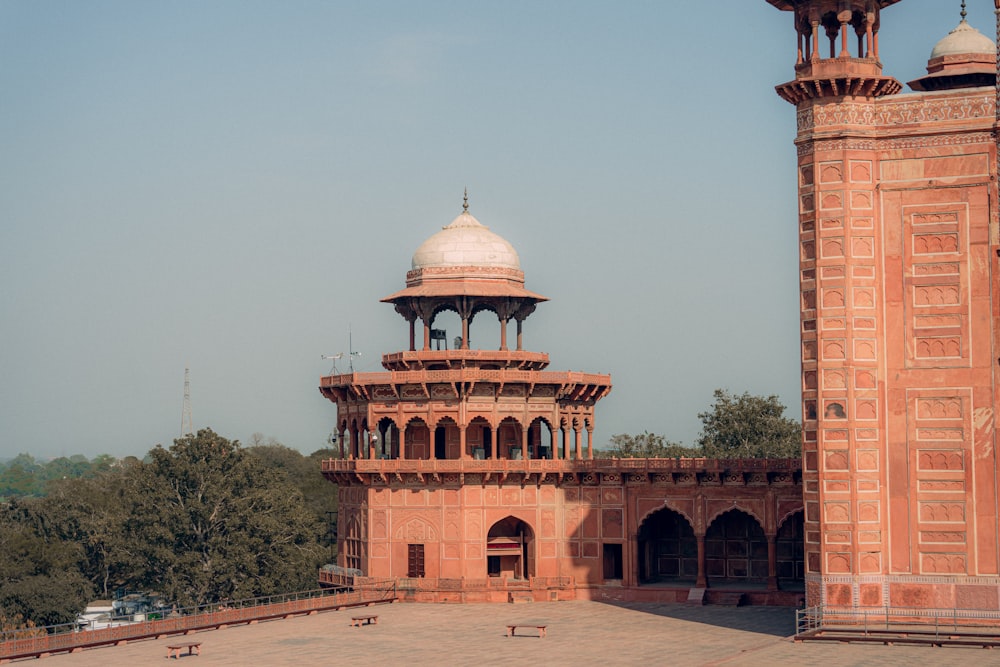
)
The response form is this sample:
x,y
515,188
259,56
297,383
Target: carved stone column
x,y
701,581
772,563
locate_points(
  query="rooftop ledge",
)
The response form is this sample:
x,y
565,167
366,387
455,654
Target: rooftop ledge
x,y
504,375
416,359
611,465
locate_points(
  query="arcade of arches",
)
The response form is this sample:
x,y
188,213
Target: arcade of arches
x,y
629,529
509,439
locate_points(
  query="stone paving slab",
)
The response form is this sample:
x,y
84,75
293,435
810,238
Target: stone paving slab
x,y
579,633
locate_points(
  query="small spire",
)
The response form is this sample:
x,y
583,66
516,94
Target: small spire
x,y
963,10
465,201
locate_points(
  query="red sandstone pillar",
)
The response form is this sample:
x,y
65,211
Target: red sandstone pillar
x,y
525,454
427,334
799,38
465,333
868,39
772,563
844,53
518,334
814,51
565,443
579,443
402,444
503,334
496,442
590,443
462,454
701,581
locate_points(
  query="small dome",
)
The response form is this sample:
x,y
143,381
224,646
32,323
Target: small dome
x,y
466,242
963,40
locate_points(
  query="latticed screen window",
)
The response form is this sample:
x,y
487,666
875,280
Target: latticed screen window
x,y
415,560
353,545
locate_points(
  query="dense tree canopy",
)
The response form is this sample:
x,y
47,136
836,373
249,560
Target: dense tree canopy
x,y
40,579
318,493
646,446
748,426
202,521
23,476
215,523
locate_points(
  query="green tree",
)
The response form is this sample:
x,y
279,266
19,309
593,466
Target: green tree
x,y
40,579
16,481
319,495
647,446
214,523
93,513
748,426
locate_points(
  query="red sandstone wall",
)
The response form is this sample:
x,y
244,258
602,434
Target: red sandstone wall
x,y
569,524
898,326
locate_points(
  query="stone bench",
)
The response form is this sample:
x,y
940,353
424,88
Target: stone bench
x,y
175,651
541,629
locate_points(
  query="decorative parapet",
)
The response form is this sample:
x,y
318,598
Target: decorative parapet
x,y
464,375
683,471
68,639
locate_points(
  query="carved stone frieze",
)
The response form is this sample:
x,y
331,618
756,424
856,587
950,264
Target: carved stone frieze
x,y
810,147
895,111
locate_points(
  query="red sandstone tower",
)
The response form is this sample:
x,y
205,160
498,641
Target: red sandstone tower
x,y
443,429
899,305
468,474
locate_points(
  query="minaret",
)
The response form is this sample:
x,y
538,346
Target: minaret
x,y
837,50
898,316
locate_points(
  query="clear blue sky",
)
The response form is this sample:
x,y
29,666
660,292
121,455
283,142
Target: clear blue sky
x,y
232,185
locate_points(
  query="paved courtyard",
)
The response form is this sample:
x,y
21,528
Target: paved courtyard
x,y
579,633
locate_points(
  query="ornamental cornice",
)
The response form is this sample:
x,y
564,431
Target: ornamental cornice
x,y
810,147
775,474
430,272
894,111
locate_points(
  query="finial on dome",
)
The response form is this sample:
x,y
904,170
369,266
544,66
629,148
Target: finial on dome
x,y
465,201
963,10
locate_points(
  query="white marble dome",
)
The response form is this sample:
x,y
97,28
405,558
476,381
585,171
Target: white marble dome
x,y
466,242
963,40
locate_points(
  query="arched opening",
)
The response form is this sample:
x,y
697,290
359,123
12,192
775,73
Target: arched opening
x,y
511,441
440,442
446,439
479,438
789,549
510,549
667,548
484,329
387,446
417,440
541,440
735,549
354,445
446,331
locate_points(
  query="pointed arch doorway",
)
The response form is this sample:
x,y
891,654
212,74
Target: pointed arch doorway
x,y
510,549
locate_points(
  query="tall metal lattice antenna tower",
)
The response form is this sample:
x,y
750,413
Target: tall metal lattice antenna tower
x,y
187,422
